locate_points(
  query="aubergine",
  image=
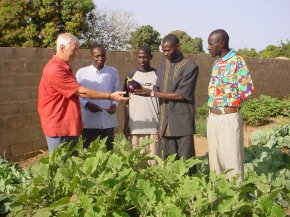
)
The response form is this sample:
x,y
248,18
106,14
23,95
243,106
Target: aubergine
x,y
133,85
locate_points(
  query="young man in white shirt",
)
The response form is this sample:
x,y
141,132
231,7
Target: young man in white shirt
x,y
99,116
141,113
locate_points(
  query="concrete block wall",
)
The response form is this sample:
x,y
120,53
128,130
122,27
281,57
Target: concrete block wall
x,y
20,72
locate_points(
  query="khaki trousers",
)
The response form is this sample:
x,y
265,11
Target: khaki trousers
x,y
153,148
226,143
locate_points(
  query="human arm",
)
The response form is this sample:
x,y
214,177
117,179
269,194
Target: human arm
x,y
245,82
167,96
184,89
90,93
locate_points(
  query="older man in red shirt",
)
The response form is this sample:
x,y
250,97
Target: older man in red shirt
x,y
58,102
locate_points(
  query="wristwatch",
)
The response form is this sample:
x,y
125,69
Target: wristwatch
x,y
152,94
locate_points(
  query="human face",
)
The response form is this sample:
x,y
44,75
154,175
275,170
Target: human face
x,y
214,46
70,52
169,50
143,59
99,57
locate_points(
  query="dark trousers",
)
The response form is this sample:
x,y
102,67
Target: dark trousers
x,y
92,134
182,146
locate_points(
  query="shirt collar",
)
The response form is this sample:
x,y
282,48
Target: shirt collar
x,y
229,55
61,62
179,58
97,70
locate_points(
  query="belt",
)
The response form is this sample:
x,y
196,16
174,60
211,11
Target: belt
x,y
224,111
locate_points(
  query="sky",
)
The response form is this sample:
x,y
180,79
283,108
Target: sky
x,y
249,23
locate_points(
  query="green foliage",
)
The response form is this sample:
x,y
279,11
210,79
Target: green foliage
x,y
275,136
285,49
37,23
11,178
201,120
271,51
247,53
145,35
122,183
188,44
257,111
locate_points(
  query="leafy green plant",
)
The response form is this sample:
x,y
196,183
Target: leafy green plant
x,y
98,182
201,120
257,111
11,177
275,136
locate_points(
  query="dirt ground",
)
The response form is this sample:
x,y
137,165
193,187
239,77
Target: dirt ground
x,y
201,146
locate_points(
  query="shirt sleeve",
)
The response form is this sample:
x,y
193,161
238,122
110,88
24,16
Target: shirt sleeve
x,y
64,82
245,83
157,86
186,85
116,85
83,101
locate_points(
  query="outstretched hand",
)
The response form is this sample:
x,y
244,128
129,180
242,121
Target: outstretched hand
x,y
143,92
119,96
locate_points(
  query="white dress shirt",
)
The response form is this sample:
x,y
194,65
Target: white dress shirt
x,y
105,80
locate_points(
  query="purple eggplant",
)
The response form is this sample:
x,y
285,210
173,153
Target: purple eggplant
x,y
133,85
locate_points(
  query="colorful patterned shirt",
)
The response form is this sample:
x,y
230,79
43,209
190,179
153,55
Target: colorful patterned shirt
x,y
230,83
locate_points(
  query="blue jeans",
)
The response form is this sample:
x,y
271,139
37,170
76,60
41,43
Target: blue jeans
x,y
55,141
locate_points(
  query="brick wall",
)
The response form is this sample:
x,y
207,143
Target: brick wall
x,y
20,71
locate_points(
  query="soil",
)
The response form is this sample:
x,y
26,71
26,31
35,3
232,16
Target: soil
x,y
201,147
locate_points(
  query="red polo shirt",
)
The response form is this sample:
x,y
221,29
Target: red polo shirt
x,y
58,105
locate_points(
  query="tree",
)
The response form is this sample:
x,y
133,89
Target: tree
x,y
188,44
36,23
271,51
285,48
109,28
145,35
247,53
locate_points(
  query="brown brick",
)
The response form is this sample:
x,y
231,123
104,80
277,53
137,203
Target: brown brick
x,y
7,52
4,95
8,109
35,67
25,53
25,80
2,126
45,53
30,133
9,136
13,67
20,94
33,120
16,122
29,107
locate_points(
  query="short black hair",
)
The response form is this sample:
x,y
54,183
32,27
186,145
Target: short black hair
x,y
96,45
222,35
171,38
146,49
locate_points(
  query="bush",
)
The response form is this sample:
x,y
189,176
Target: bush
x,y
122,183
201,120
257,111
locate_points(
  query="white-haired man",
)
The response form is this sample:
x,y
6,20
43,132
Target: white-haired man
x,y
58,102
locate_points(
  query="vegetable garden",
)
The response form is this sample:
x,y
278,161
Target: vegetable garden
x,y
122,183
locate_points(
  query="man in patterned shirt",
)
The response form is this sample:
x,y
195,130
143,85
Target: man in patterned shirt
x,y
230,84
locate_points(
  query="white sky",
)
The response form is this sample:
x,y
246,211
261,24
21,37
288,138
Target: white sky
x,y
250,23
